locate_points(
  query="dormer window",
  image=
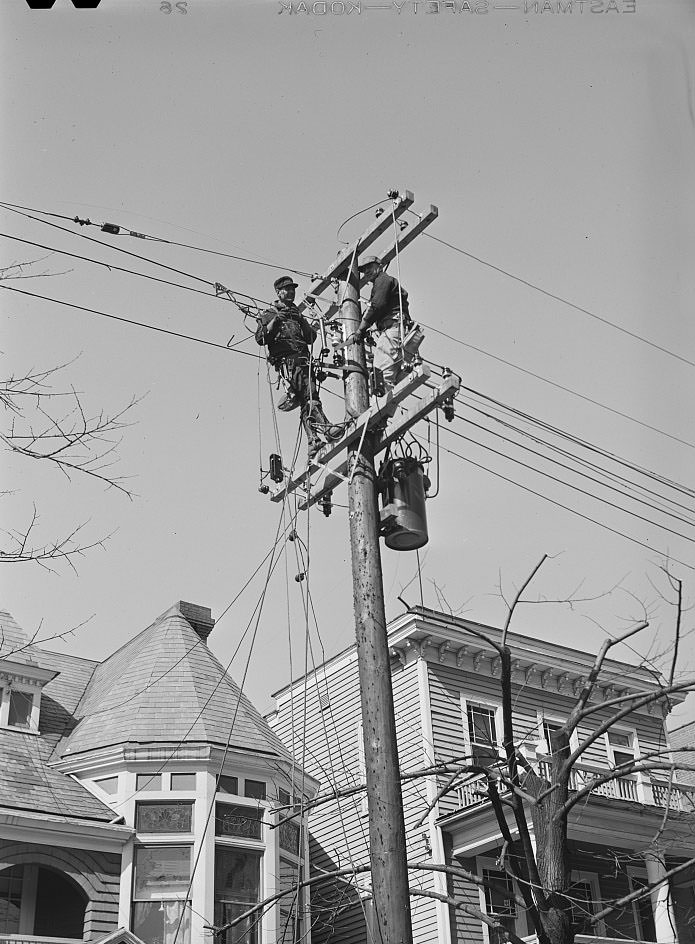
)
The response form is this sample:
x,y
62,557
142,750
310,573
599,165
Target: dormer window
x,y
20,694
20,708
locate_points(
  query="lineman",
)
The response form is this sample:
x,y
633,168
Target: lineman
x,y
388,303
288,337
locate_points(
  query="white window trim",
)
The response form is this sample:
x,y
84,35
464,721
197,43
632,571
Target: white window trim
x,y
521,924
592,879
552,718
482,703
35,693
621,729
635,871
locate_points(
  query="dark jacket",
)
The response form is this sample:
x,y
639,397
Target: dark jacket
x,y
384,305
290,333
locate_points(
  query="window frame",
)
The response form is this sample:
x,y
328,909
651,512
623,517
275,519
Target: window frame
x,y
496,708
635,872
631,733
485,863
553,718
592,879
139,804
166,844
9,686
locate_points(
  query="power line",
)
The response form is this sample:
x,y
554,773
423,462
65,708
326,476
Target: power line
x,y
158,239
590,465
562,482
572,511
559,298
552,383
676,486
127,252
131,321
112,266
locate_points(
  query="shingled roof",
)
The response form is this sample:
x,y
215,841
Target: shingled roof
x,y
27,782
165,685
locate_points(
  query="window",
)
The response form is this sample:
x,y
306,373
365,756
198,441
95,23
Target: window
x,y
242,821
621,747
149,782
183,781
582,895
291,906
10,899
482,735
288,838
499,902
228,785
237,888
164,817
162,877
255,789
642,909
108,784
283,797
21,704
549,728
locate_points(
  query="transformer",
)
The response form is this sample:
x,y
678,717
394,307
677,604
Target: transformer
x,y
403,516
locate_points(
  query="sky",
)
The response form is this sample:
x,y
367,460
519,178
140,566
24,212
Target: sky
x,y
556,140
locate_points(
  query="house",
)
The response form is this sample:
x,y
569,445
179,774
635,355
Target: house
x,y
627,832
140,796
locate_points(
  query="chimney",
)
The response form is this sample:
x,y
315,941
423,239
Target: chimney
x,y
200,618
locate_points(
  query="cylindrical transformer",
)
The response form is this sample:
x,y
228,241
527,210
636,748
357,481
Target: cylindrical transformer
x,y
403,517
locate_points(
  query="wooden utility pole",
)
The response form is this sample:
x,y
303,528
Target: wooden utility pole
x,y
362,440
390,896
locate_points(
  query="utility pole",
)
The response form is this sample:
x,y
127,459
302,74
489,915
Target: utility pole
x,y
363,439
390,895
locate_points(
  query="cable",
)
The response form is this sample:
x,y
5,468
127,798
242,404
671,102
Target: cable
x,y
676,486
104,314
568,468
160,239
127,252
558,386
559,481
559,298
108,265
359,213
572,511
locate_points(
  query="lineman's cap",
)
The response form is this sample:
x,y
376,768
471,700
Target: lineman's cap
x,y
368,260
284,282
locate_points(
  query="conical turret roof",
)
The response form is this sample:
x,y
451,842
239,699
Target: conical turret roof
x,y
166,686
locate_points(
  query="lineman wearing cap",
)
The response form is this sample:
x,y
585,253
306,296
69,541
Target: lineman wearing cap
x,y
388,302
288,337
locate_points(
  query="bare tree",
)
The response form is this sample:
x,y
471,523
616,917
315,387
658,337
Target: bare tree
x,y
533,795
46,424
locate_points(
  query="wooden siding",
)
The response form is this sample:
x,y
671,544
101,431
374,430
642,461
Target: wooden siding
x,y
96,873
448,684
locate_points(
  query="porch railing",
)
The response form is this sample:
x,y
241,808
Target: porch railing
x,y
635,788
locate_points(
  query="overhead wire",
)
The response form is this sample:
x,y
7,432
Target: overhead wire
x,y
549,427
127,252
117,268
558,386
130,321
560,481
159,239
568,508
564,301
562,465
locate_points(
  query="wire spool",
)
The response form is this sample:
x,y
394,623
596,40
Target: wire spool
x,y
403,517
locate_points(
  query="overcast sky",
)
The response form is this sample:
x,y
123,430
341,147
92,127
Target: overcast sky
x,y
557,142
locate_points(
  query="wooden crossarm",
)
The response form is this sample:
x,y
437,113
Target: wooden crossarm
x,y
370,235
374,415
403,240
449,388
